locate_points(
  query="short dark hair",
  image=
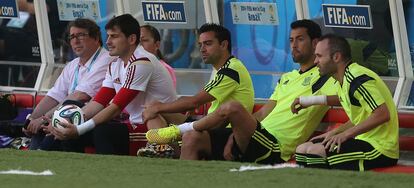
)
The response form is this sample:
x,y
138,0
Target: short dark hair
x,y
89,25
156,35
221,33
338,44
127,24
312,28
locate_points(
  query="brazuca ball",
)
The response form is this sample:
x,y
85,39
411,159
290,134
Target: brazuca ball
x,y
68,113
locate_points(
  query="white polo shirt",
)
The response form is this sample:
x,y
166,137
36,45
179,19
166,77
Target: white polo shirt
x,y
150,78
85,78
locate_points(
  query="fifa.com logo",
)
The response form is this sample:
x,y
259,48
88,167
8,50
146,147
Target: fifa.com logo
x,y
157,12
338,15
6,11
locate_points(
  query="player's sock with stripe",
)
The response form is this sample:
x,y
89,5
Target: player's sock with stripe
x,y
301,159
316,161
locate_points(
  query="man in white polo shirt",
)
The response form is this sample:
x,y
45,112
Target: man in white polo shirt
x,y
80,80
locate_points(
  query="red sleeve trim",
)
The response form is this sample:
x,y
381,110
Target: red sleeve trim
x,y
130,77
124,97
134,59
131,71
104,95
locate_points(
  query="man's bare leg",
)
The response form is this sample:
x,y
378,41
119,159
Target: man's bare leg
x,y
156,123
174,118
196,145
242,122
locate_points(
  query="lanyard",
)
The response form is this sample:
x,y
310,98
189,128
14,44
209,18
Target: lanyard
x,y
75,80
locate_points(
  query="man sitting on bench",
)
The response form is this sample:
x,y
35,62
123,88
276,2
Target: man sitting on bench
x,y
370,138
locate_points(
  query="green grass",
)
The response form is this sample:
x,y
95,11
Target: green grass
x,y
86,170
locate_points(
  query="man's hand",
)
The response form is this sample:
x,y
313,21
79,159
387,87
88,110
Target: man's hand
x,y
296,106
306,101
34,126
68,132
150,111
324,136
227,154
334,142
47,128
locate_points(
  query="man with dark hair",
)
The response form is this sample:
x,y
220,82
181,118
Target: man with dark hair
x,y
221,33
313,30
80,80
93,30
134,78
231,82
370,138
271,134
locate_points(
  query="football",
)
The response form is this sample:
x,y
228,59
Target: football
x,y
67,113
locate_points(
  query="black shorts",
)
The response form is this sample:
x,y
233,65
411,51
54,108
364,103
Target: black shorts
x,y
112,138
263,148
358,155
218,139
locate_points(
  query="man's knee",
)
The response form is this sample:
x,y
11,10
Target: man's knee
x,y
230,108
156,123
316,149
311,148
303,148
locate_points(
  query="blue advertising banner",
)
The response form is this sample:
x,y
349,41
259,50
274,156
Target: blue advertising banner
x,y
164,12
8,9
347,16
264,49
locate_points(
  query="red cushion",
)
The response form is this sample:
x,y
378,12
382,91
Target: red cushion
x,y
257,107
407,143
335,115
23,100
406,120
38,98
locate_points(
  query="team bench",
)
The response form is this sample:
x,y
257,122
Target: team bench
x,y
333,117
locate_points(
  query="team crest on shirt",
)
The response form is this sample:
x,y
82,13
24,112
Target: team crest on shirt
x,y
307,81
117,81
